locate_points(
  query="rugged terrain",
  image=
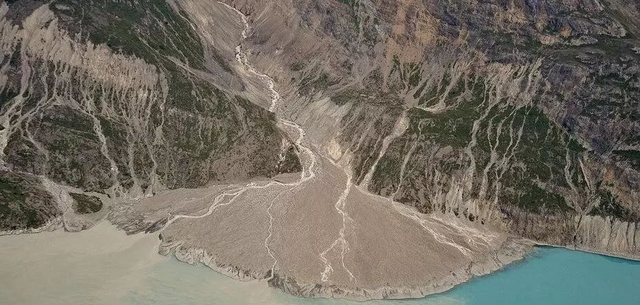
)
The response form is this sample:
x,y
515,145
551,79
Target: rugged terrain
x,y
88,103
358,149
522,114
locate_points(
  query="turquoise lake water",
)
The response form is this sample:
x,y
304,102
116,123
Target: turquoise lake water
x,y
549,276
103,266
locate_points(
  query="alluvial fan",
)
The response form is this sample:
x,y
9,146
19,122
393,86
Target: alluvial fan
x,y
359,149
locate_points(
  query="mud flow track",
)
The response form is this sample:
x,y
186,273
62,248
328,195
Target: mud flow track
x,y
321,235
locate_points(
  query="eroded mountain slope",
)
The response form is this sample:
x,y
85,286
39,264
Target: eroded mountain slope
x,y
521,114
119,99
410,144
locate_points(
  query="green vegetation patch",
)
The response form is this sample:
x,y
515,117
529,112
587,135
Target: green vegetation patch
x,y
144,28
537,200
23,203
314,83
452,126
631,156
85,204
609,206
70,120
291,162
528,167
344,97
11,191
387,171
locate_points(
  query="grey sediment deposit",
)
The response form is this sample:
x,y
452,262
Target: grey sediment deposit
x,y
513,251
386,250
320,235
339,227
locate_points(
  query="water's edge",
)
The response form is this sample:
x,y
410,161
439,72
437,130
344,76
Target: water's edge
x,y
103,265
589,251
514,251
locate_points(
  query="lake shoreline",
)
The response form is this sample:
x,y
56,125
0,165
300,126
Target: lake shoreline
x,y
596,252
194,257
516,250
314,290
51,225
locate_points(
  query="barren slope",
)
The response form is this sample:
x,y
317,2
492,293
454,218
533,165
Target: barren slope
x,y
352,148
320,235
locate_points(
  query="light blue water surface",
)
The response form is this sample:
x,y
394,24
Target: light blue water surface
x,y
549,276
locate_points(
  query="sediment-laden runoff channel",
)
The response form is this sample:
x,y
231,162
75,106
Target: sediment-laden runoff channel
x,y
312,234
318,234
